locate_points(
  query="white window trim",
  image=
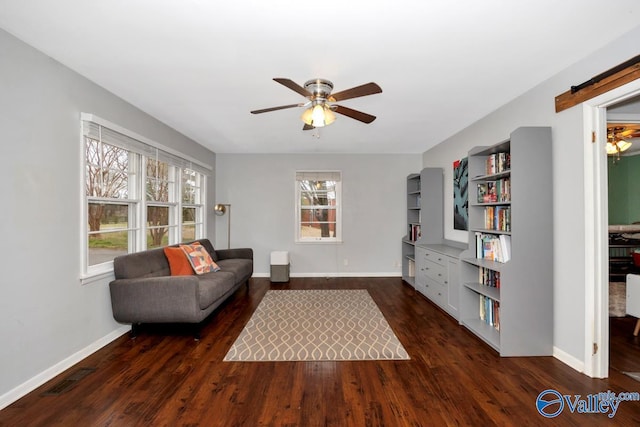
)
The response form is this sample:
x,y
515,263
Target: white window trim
x,y
319,240
98,120
104,271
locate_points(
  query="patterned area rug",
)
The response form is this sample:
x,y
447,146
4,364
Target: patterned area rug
x,y
298,325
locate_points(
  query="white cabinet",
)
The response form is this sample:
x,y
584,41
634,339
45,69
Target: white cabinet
x,y
437,275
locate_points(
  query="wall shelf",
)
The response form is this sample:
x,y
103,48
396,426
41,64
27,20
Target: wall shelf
x,y
512,310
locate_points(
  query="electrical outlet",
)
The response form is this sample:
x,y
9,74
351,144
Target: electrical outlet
x,y
345,262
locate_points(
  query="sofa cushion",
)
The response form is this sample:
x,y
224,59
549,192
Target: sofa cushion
x,y
209,247
178,262
212,286
199,258
240,267
150,263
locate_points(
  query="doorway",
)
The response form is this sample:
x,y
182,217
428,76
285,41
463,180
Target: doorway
x,y
623,169
596,345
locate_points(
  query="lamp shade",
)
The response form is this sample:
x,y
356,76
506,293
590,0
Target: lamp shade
x,y
618,146
318,116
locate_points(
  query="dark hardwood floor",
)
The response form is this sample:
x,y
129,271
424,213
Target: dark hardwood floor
x,y
625,348
166,378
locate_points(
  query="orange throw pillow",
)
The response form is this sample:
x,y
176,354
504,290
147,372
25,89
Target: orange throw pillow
x,y
178,262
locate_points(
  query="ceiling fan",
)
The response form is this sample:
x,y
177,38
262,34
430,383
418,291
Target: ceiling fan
x,y
320,107
618,138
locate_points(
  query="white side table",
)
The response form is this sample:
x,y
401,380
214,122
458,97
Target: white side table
x,y
633,299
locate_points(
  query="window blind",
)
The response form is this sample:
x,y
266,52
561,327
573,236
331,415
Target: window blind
x,y
120,139
335,176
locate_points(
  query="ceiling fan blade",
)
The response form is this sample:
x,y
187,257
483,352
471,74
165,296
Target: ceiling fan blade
x,y
355,92
625,133
282,107
307,127
293,86
354,114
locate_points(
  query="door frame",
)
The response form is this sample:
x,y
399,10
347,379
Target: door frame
x,y
596,332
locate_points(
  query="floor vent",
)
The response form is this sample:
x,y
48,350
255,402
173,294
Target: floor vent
x,y
69,382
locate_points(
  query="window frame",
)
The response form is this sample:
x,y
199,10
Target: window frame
x,y
318,175
137,200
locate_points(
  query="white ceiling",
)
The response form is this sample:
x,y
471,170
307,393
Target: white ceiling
x,y
201,65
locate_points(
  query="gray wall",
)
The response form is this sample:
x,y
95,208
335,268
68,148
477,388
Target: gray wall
x,y
537,108
261,190
47,315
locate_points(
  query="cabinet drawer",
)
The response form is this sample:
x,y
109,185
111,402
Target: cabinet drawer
x,y
434,271
436,292
436,257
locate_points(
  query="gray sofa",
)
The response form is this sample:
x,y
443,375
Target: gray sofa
x,y
145,292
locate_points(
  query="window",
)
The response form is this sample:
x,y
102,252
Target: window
x,y
318,206
138,195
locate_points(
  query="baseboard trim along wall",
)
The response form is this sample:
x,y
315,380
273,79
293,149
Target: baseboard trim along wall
x,y
334,274
48,374
568,359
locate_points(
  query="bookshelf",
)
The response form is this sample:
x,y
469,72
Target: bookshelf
x,y
424,217
506,292
414,207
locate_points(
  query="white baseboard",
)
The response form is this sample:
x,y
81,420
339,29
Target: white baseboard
x,y
568,359
334,274
46,375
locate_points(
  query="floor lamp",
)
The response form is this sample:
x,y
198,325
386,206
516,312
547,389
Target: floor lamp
x,y
220,209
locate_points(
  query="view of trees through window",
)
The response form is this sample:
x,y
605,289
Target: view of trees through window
x,y
157,195
171,201
107,187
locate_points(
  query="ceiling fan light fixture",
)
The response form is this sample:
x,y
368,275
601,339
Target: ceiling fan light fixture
x,y
623,145
618,147
318,115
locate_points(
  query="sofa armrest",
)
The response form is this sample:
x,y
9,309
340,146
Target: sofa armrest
x,y
242,253
155,299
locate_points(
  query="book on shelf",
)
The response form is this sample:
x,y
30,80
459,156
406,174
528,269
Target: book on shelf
x,y
498,162
494,191
493,247
488,277
414,232
489,311
482,192
501,190
505,247
504,190
497,218
412,268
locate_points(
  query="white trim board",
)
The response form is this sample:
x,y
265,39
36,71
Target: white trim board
x,y
106,123
50,373
568,359
335,274
596,331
